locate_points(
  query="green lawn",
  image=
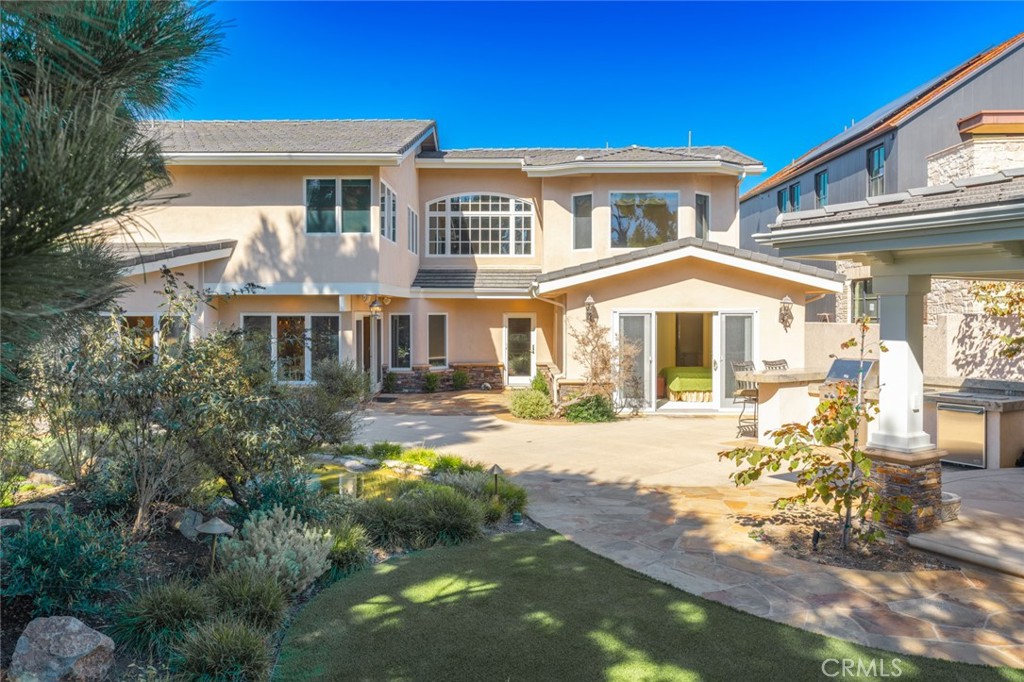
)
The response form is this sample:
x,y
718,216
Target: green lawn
x,y
534,606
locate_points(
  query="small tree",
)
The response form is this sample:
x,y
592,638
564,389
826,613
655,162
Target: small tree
x,y
829,461
1003,299
607,366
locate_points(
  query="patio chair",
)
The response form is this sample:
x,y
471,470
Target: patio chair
x,y
745,394
775,364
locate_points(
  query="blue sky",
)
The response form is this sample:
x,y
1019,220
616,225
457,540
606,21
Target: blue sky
x,y
770,79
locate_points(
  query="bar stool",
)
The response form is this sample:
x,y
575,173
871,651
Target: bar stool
x,y
775,364
745,394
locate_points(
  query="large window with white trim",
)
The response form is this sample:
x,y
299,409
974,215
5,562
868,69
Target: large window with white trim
x,y
401,341
480,225
582,210
326,209
294,344
437,340
644,218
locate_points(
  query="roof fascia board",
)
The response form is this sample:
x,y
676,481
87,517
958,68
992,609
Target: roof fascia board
x,y
153,266
817,283
313,289
418,292
280,159
505,163
583,168
414,147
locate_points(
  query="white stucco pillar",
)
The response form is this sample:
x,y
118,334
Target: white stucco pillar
x,y
900,424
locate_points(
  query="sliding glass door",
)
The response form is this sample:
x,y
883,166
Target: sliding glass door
x,y
636,382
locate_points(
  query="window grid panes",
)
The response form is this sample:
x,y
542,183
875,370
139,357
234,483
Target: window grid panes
x,y
865,301
401,342
821,189
642,219
582,227
437,340
876,170
414,231
702,208
480,224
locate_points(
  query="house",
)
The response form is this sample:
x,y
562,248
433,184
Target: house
x,y
888,152
371,242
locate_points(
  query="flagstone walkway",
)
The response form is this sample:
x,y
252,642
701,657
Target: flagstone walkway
x,y
651,494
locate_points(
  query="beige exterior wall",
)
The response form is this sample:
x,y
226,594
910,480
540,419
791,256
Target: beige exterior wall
x,y
398,264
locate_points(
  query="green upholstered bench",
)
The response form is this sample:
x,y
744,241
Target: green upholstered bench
x,y
689,384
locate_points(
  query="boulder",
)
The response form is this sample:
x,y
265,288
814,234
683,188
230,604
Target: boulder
x,y
45,477
355,465
61,649
185,521
10,525
48,507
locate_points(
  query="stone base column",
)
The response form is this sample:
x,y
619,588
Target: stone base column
x,y
917,476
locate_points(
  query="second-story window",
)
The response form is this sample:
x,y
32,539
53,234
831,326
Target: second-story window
x,y
821,189
388,213
702,209
582,232
414,231
876,171
480,225
782,200
642,219
324,210
794,197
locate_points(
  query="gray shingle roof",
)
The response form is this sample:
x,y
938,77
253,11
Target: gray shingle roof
x,y
354,136
538,156
1004,188
640,254
151,252
512,280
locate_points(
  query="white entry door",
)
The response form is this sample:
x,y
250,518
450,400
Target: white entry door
x,y
520,350
734,342
368,349
637,389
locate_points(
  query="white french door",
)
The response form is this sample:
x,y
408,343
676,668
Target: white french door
x,y
733,341
637,384
520,348
368,349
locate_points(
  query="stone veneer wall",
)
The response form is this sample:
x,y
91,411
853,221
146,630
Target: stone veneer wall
x,y
479,374
921,484
948,296
980,155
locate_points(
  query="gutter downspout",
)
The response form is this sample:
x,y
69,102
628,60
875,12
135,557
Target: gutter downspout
x,y
565,336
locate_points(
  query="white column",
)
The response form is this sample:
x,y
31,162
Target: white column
x,y
899,425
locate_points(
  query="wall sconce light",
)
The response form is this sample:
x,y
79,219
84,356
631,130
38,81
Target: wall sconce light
x,y
786,312
377,304
590,303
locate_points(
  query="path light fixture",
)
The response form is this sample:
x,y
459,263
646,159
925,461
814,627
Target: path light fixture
x,y
786,312
496,471
591,305
215,528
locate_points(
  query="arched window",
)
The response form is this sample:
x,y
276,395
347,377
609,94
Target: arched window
x,y
480,225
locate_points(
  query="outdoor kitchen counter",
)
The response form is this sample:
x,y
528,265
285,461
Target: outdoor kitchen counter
x,y
783,396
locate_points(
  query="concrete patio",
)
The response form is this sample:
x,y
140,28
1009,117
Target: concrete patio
x,y
650,494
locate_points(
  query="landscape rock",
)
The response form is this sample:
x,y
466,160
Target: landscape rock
x,y
355,465
45,477
223,503
394,463
10,525
61,649
185,521
48,507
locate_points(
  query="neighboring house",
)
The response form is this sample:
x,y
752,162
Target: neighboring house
x,y
887,153
373,244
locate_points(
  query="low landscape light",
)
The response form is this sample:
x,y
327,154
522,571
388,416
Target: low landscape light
x,y
215,527
496,471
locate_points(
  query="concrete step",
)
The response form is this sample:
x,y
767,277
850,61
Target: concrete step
x,y
991,540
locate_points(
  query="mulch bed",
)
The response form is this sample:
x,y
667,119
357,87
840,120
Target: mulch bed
x,y
791,531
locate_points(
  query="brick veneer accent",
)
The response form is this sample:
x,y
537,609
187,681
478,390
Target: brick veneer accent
x,y
920,481
479,374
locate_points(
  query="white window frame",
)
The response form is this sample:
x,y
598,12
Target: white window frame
x,y
572,216
707,226
412,335
387,202
187,336
447,363
413,226
512,215
639,191
338,179
308,352
880,176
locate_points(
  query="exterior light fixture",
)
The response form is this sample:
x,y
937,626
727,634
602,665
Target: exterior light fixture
x,y
376,308
216,528
590,303
376,304
786,312
496,471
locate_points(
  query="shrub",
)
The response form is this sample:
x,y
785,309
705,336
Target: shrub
x,y
445,516
385,450
512,496
65,563
460,379
494,512
335,507
288,490
389,383
160,614
454,463
390,524
108,487
351,550
222,651
539,383
431,382
339,393
423,456
252,598
20,453
531,404
278,543
353,450
592,408
479,485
